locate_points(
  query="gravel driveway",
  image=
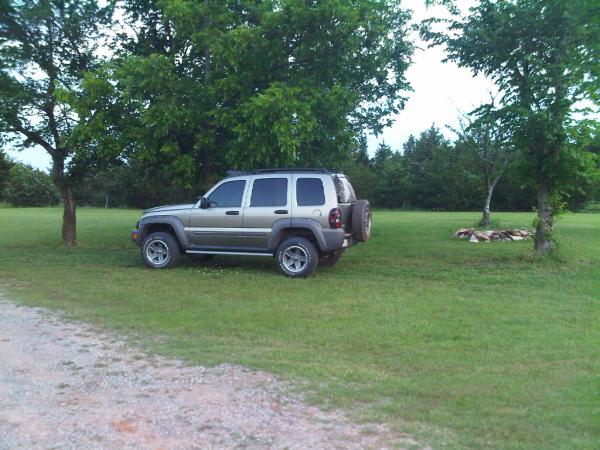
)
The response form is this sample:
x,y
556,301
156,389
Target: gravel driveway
x,y
69,385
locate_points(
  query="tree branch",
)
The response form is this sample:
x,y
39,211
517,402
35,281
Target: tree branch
x,y
34,137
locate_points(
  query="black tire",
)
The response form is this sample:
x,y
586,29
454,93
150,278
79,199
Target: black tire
x,y
362,220
330,259
306,253
200,257
165,248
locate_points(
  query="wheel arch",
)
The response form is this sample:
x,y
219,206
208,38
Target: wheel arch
x,y
306,228
167,224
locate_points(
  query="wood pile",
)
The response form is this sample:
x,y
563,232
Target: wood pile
x,y
476,236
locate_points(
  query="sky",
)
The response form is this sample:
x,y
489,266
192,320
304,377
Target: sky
x,y
440,91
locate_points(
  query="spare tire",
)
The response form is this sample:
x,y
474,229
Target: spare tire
x,y
362,220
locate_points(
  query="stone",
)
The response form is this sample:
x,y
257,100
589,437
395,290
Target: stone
x,y
481,236
493,235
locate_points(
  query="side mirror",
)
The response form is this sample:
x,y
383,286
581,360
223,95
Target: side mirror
x,y
204,203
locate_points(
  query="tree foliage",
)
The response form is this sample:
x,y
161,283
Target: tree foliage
x,y
429,173
26,186
5,166
203,86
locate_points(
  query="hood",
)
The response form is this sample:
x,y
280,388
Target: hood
x,y
170,208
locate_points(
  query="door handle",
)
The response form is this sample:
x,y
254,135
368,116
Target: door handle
x,y
232,213
281,211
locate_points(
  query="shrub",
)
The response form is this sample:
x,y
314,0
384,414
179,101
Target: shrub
x,y
27,186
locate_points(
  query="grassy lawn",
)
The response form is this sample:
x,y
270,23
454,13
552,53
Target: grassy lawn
x,y
466,345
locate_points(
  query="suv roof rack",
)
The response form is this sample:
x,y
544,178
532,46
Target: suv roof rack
x,y
236,173
300,169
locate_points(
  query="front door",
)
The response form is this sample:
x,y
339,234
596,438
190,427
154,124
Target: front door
x,y
219,225
269,201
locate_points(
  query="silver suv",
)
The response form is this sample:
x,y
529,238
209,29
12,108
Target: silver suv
x,y
302,217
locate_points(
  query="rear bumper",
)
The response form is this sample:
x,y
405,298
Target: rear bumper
x,y
337,239
348,241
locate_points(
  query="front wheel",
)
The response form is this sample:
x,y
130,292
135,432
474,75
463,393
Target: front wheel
x,y
297,257
160,250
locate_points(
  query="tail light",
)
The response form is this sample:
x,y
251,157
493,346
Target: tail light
x,y
335,218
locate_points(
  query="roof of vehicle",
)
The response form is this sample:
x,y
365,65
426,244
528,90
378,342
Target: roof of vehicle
x,y
237,173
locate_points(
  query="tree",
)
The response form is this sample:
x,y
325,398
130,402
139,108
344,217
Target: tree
x,y
5,166
583,151
490,145
359,170
45,48
543,56
432,171
391,188
203,86
30,187
106,188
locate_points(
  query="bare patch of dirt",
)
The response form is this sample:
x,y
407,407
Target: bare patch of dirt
x,y
68,385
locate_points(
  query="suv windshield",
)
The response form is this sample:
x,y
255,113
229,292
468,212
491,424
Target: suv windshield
x,y
344,190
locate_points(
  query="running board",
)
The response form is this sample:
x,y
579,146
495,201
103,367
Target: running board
x,y
218,252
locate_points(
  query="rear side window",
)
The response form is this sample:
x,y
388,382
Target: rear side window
x,y
228,195
309,192
269,192
344,190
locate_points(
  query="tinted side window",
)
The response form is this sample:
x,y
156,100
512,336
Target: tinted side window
x,y
344,190
269,192
309,192
228,195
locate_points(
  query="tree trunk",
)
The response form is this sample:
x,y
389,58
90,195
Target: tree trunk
x,y
69,228
490,185
543,240
485,219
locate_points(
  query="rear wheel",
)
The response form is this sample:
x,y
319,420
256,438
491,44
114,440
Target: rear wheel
x,y
297,257
160,250
330,258
362,220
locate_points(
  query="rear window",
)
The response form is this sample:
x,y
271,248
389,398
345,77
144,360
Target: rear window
x,y
344,190
309,192
269,192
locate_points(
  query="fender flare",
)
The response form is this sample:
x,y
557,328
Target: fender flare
x,y
307,224
174,222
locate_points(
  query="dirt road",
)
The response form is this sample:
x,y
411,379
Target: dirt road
x,y
69,385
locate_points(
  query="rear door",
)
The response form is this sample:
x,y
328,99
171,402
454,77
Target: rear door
x,y
268,201
310,198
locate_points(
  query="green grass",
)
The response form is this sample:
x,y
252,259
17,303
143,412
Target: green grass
x,y
465,345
